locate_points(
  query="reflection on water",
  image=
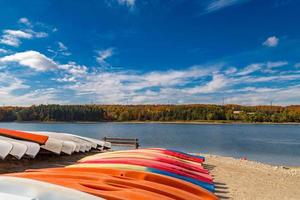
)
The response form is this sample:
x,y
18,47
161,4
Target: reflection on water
x,y
275,144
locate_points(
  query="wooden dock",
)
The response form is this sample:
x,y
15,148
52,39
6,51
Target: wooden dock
x,y
131,142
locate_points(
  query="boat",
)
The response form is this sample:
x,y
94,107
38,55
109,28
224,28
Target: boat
x,y
157,165
18,150
117,184
37,138
32,148
6,196
53,145
149,156
24,189
5,148
84,145
205,185
139,175
145,151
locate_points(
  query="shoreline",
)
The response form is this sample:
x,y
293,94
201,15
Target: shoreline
x,y
195,122
244,180
234,178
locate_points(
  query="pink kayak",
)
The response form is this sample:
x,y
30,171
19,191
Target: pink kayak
x,y
154,164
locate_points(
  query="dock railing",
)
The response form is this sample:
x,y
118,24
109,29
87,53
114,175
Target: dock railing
x,y
132,142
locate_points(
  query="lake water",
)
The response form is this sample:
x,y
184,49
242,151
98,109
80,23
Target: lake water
x,y
274,144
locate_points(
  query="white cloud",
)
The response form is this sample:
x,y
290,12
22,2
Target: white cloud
x,y
297,65
276,64
271,41
25,21
218,82
129,3
250,69
12,37
63,49
103,55
3,51
215,5
230,70
73,69
31,59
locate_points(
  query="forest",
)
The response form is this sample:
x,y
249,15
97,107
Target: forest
x,y
121,113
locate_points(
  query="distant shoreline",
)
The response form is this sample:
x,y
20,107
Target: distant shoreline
x,y
195,122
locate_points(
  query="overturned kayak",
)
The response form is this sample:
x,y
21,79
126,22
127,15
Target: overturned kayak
x,y
205,185
138,175
25,189
5,148
148,156
114,184
18,150
154,164
37,138
149,152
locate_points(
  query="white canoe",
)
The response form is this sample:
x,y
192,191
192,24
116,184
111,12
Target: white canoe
x,y
5,148
32,189
19,149
32,148
53,145
5,196
58,145
100,143
84,145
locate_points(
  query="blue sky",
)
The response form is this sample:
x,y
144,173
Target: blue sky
x,y
149,51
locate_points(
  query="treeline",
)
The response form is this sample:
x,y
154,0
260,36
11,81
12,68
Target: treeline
x,y
200,112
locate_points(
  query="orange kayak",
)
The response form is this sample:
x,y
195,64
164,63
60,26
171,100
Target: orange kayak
x,y
119,184
40,139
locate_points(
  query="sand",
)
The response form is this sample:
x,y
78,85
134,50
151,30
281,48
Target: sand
x,y
243,180
234,178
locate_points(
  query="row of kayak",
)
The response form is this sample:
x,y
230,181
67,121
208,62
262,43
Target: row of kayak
x,y
153,173
20,143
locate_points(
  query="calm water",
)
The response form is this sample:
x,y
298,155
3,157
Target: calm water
x,y
275,144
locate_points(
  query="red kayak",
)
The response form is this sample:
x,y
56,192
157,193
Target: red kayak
x,y
155,164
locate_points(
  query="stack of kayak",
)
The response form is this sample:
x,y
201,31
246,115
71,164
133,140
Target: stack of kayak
x,y
153,173
20,143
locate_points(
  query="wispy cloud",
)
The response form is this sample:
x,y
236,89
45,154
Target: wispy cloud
x,y
272,41
25,21
215,5
12,37
129,3
3,51
103,55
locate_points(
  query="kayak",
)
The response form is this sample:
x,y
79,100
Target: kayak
x,y
7,196
5,148
149,156
109,186
32,148
205,185
40,139
154,164
138,175
182,154
26,189
84,146
53,145
148,151
18,150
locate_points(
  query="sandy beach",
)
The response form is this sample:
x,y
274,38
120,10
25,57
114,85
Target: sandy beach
x,y
234,178
243,180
